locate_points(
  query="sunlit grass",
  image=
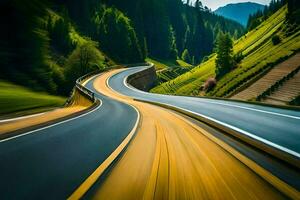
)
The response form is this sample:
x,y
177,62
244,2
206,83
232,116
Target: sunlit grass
x,y
15,98
188,82
183,63
160,64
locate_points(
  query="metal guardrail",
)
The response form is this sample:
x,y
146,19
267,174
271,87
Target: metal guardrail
x,y
87,92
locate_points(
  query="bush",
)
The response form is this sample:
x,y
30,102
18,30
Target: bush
x,y
276,40
295,101
209,84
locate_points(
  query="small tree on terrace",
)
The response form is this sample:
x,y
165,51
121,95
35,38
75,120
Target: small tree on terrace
x,y
186,56
224,61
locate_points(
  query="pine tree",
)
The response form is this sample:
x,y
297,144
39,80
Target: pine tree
x,y
224,61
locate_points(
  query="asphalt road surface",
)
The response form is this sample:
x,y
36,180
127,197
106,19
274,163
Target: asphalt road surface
x,y
169,157
51,163
279,128
172,158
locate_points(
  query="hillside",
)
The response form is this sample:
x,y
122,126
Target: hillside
x,y
239,12
287,93
17,99
260,56
288,68
41,48
42,41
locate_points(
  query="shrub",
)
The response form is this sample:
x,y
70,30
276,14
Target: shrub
x,y
295,101
276,40
238,57
209,84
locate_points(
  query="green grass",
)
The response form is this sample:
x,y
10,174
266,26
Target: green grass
x,y
160,64
259,52
171,73
183,63
14,98
168,69
188,82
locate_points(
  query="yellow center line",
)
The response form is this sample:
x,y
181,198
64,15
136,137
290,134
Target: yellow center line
x,y
87,184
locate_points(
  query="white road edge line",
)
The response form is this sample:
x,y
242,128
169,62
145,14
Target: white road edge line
x,y
38,114
257,110
243,132
219,122
218,103
18,118
46,127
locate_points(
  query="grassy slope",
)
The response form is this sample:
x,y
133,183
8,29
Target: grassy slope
x,y
15,98
188,82
160,64
183,63
168,70
259,51
171,73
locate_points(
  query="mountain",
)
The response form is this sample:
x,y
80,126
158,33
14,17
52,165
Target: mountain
x,y
263,49
239,12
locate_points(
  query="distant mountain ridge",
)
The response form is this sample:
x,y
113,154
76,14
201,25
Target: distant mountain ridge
x,y
239,11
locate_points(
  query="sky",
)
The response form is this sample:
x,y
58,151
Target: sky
x,y
214,4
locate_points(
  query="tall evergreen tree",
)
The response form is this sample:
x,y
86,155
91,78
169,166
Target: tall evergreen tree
x,y
224,61
117,37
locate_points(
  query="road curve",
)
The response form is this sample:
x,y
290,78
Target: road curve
x,y
279,128
172,158
169,158
52,162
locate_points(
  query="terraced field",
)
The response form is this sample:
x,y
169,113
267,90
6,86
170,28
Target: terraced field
x,y
183,63
286,93
274,75
260,56
189,82
171,73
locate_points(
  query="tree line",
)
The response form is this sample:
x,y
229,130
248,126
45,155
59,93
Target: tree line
x,y
226,61
47,44
261,15
157,28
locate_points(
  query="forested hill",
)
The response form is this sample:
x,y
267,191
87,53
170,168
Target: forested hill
x,y
46,44
250,57
164,28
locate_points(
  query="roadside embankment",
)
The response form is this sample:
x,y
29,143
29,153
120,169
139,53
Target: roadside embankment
x,y
79,103
143,80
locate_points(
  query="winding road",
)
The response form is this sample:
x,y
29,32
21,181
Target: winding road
x,y
166,155
51,162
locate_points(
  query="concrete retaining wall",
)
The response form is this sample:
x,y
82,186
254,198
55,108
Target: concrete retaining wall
x,y
143,80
